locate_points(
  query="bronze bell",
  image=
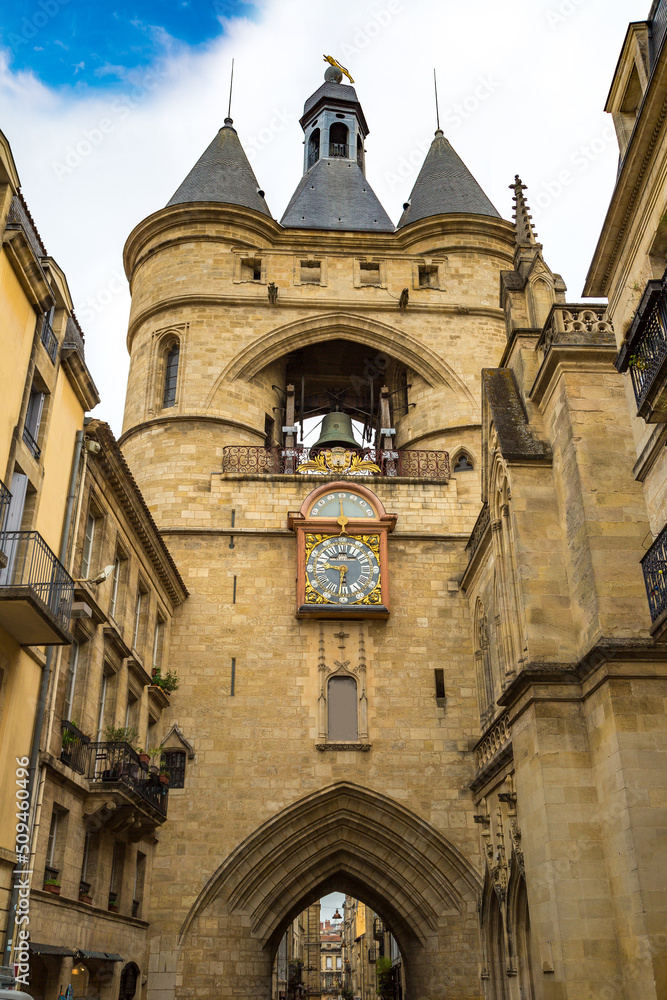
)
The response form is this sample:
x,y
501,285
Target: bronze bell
x,y
336,432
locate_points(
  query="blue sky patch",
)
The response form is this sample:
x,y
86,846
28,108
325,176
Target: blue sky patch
x,y
81,43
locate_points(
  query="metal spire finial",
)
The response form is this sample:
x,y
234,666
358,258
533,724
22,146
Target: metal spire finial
x,y
231,84
437,109
525,234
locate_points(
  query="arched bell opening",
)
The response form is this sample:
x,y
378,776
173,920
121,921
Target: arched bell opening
x,y
346,377
313,147
339,137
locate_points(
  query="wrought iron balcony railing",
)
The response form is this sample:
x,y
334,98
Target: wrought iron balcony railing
x,y
118,762
645,349
32,444
654,565
49,340
251,460
339,149
32,564
5,499
75,746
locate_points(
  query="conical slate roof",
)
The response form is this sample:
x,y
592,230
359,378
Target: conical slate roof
x,y
445,186
334,194
222,173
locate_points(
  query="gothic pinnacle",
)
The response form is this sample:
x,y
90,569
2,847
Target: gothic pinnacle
x,y
525,234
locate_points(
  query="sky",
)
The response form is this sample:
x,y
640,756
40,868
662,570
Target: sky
x,y
107,106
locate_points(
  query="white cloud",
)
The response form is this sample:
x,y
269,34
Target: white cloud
x,y
93,165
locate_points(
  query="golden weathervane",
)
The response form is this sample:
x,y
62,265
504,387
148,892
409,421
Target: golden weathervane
x,y
334,62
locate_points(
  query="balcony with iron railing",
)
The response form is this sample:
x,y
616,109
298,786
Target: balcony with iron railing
x,y
339,149
251,460
644,353
35,591
5,499
75,747
115,769
654,566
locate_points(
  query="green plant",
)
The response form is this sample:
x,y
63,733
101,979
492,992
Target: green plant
x,y
636,361
68,737
155,752
383,973
169,682
52,881
121,734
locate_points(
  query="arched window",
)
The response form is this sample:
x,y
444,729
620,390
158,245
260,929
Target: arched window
x,y
463,463
342,709
360,151
313,147
128,982
171,375
338,136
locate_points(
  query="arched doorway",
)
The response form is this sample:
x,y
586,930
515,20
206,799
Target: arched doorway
x,y
348,839
128,982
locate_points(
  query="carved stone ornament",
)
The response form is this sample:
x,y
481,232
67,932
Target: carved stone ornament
x,y
340,461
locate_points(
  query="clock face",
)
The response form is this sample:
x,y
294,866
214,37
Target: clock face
x,y
342,503
342,569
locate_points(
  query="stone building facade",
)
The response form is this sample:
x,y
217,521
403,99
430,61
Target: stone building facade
x,y
470,744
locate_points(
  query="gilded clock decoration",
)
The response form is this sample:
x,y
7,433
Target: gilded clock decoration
x,y
343,570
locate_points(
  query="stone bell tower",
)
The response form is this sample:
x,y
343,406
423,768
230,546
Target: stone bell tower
x,y
332,744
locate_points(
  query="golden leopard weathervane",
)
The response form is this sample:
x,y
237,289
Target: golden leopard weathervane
x,y
334,62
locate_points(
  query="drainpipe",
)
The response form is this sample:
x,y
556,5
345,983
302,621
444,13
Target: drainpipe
x,y
39,716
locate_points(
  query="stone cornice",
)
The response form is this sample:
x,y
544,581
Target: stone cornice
x,y
647,138
271,234
121,481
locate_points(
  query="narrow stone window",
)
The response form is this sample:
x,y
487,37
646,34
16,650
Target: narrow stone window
x,y
342,710
174,763
463,463
313,147
171,376
251,269
428,276
369,273
311,272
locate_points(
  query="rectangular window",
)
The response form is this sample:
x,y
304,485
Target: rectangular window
x,y
139,879
102,706
53,840
428,275
132,711
88,546
71,681
85,864
115,581
139,612
439,683
33,419
329,962
310,272
117,865
174,763
251,269
369,273
158,643
339,962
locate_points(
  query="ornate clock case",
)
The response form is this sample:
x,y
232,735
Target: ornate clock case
x,y
342,569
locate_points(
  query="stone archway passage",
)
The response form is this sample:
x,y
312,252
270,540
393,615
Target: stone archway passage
x,y
347,838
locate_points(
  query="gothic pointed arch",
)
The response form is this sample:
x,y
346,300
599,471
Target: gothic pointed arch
x,y
386,339
358,840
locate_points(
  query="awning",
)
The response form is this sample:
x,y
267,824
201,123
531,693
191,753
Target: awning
x,y
101,956
51,949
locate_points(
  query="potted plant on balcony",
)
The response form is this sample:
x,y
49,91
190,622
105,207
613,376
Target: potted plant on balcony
x,y
165,776
52,885
84,892
167,683
113,902
144,756
154,754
